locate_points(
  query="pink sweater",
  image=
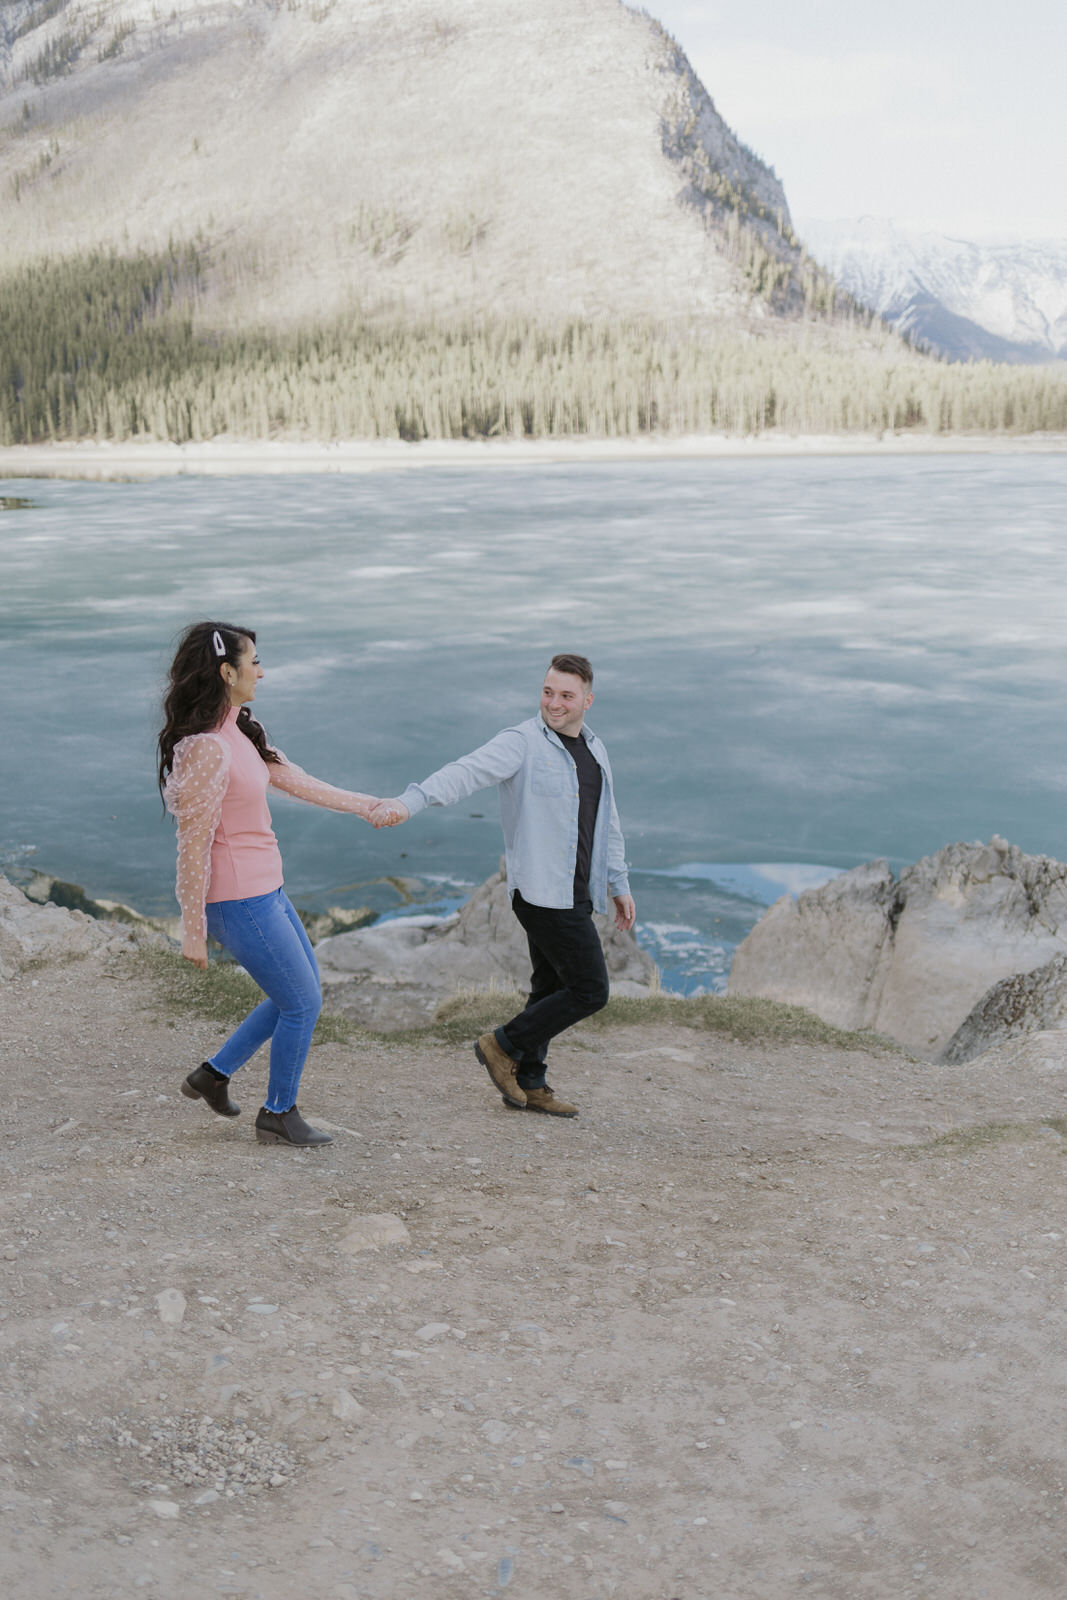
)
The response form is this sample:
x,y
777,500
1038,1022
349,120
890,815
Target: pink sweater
x,y
226,845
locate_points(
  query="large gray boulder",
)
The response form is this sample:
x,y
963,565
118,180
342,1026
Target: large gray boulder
x,y
395,974
32,932
1028,1002
910,957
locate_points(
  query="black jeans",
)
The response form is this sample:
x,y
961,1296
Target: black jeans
x,y
569,981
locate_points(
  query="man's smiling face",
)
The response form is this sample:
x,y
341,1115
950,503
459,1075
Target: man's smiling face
x,y
565,699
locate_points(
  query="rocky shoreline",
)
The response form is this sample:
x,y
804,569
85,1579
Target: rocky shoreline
x,y
31,932
395,974
964,951
385,975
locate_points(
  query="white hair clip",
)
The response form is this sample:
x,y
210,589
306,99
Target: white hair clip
x,y
216,640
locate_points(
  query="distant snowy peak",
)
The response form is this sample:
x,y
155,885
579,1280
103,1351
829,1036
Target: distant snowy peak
x,y
966,299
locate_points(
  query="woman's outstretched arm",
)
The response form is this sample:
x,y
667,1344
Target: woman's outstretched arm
x,y
302,786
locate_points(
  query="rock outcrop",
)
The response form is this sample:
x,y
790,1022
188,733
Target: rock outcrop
x,y
32,932
389,975
43,889
912,957
1029,1002
395,974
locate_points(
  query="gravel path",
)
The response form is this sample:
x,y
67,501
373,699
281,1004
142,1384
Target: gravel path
x,y
765,1320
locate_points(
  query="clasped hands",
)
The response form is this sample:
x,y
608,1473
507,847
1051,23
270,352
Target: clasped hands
x,y
388,814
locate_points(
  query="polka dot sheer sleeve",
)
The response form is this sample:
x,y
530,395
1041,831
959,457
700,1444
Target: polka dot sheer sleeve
x,y
302,786
194,793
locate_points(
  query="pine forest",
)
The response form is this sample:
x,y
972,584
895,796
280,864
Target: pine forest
x,y
108,347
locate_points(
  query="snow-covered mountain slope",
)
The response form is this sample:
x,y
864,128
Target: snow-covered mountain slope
x,y
1005,302
525,156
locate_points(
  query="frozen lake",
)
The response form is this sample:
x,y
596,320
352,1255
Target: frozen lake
x,y
801,664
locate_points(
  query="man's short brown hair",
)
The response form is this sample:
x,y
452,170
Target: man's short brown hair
x,y
577,666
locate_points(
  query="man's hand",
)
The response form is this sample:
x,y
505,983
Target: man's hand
x,y
389,814
625,911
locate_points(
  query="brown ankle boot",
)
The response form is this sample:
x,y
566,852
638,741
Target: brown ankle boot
x,y
545,1100
501,1068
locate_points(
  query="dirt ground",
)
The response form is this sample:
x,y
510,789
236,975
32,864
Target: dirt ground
x,y
765,1321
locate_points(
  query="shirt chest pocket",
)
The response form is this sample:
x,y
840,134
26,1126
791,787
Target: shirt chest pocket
x,y
548,778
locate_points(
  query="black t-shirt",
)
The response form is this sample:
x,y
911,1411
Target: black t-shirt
x,y
590,783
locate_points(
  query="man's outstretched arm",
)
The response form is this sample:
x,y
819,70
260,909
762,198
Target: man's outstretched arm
x,y
490,764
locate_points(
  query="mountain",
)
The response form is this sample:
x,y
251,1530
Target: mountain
x,y
423,156
342,219
966,300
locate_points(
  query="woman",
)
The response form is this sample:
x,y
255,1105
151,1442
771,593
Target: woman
x,y
215,767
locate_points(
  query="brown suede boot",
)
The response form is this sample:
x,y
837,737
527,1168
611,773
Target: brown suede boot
x,y
545,1100
501,1068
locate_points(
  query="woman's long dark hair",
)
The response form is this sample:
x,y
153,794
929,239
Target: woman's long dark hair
x,y
197,699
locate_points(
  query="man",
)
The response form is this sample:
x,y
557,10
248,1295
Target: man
x,y
564,853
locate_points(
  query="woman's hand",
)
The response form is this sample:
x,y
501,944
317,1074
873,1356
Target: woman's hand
x,y
195,950
390,814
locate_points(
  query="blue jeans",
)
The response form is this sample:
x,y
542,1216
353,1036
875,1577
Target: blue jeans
x,y
265,935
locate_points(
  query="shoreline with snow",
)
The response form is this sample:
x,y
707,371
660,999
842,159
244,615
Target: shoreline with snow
x,y
231,457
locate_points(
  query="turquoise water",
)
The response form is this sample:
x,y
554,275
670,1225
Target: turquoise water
x,y
800,663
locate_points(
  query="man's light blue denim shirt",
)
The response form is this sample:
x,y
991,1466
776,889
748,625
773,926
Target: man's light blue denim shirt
x,y
538,784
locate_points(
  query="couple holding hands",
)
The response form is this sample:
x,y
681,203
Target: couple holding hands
x,y
563,847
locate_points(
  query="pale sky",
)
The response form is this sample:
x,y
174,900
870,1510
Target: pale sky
x,y
943,114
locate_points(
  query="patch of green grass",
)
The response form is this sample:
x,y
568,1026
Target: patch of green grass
x,y
749,1021
463,1018
969,1141
46,963
222,994
333,1028
744,1019
1057,1124
225,995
